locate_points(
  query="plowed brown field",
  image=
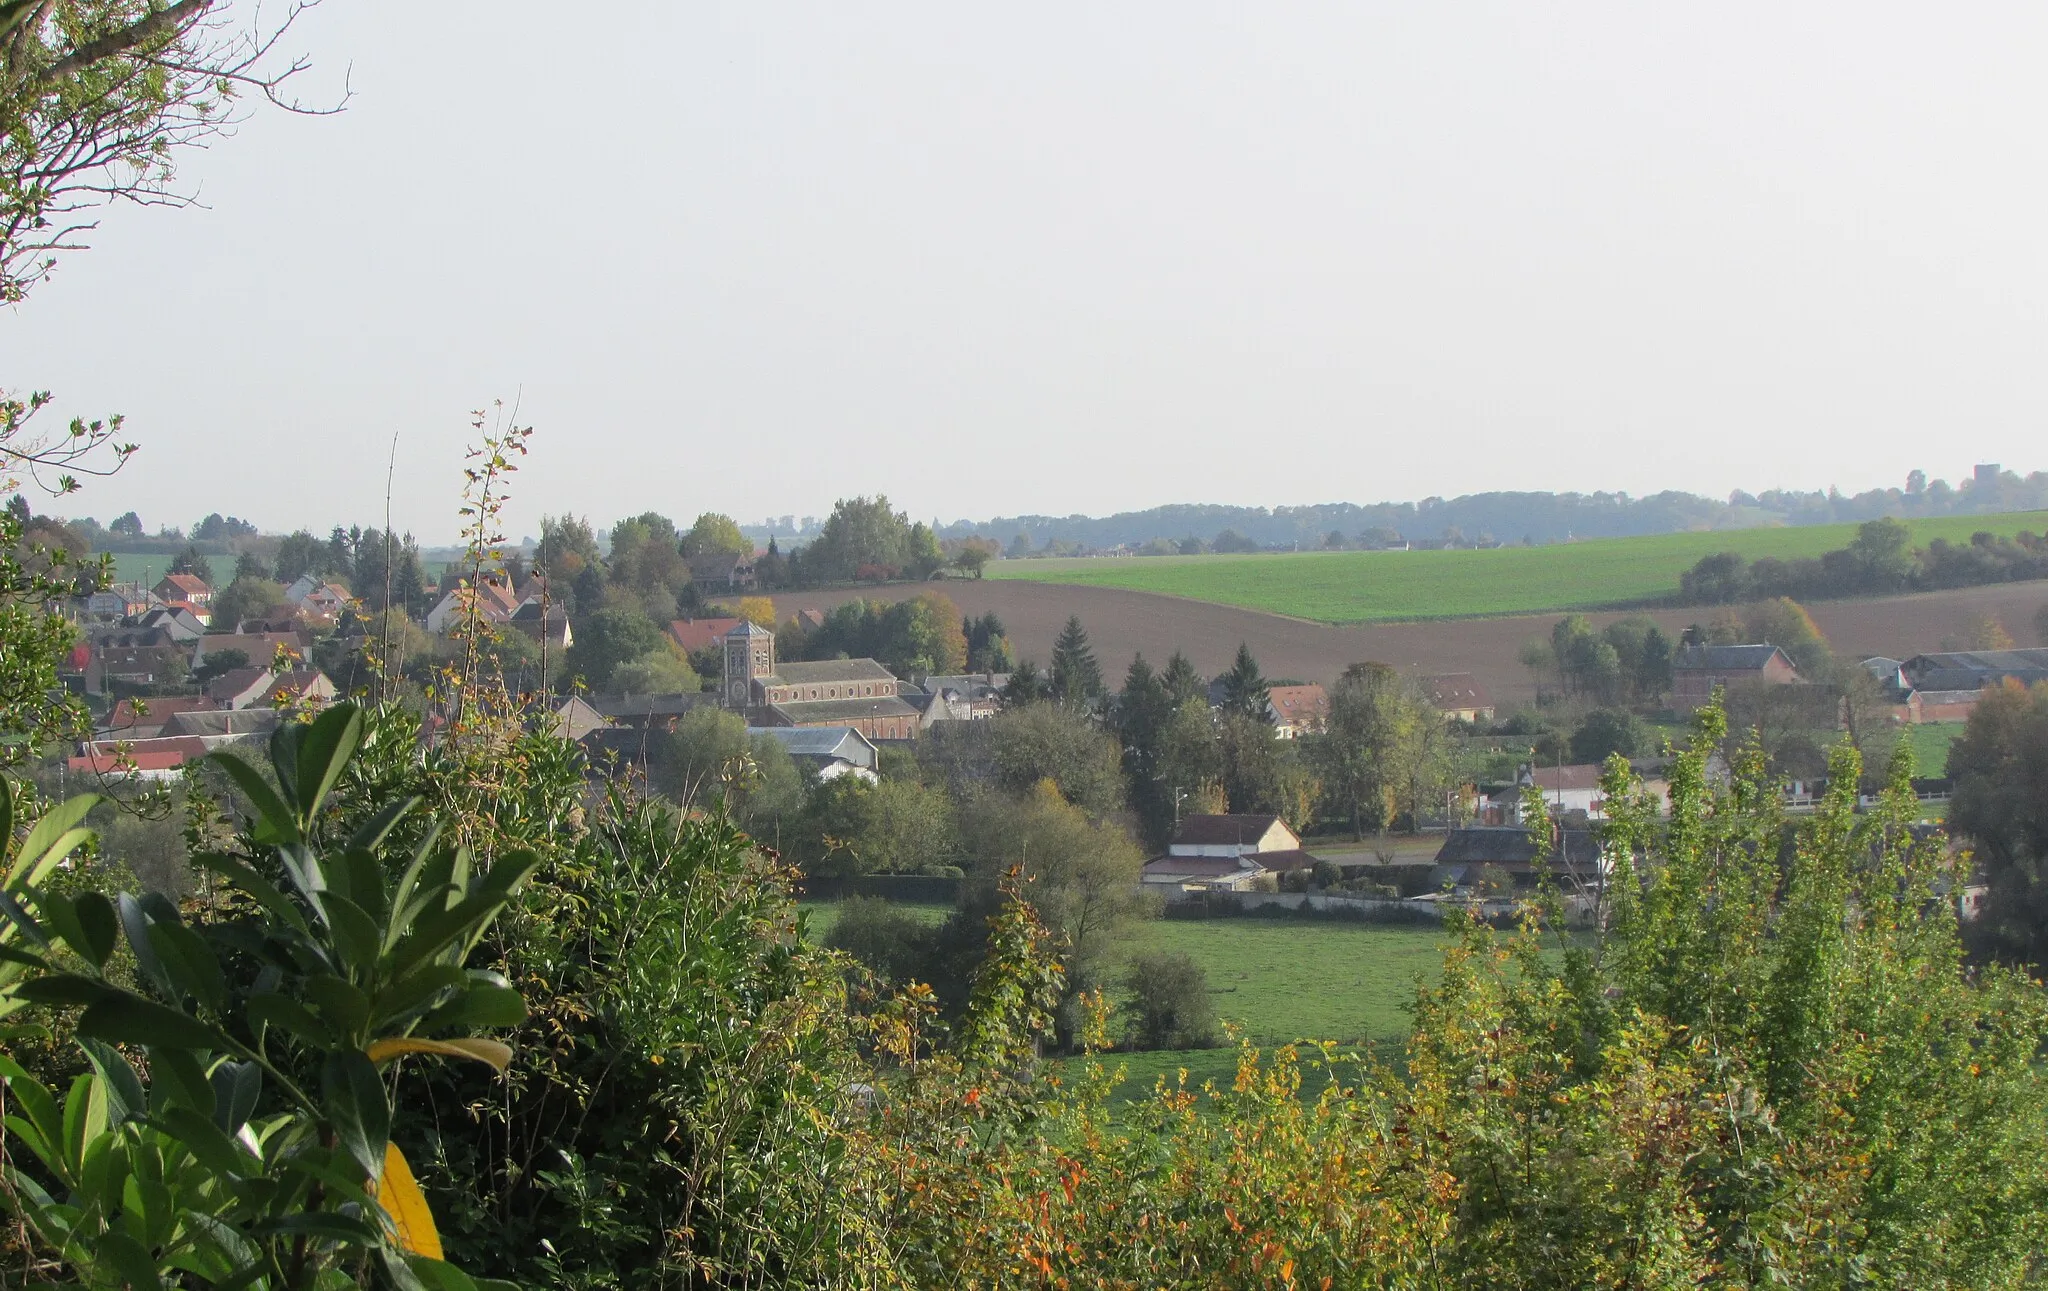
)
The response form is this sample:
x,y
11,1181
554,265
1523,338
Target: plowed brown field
x,y
1121,623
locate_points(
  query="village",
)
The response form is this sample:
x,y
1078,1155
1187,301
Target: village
x,y
171,684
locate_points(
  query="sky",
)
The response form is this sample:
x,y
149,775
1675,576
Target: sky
x,y
1062,258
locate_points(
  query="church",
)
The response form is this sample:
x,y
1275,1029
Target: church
x,y
857,693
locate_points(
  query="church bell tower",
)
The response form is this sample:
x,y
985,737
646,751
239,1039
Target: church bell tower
x,y
749,657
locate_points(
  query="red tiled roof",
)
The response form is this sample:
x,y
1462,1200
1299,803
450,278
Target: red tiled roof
x,y
1456,690
190,584
699,634
1296,705
104,757
160,708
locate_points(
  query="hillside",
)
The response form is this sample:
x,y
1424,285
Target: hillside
x,y
1396,586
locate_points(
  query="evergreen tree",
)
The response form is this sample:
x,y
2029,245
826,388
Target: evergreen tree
x,y
189,561
1181,680
1026,686
1142,712
1244,687
1076,677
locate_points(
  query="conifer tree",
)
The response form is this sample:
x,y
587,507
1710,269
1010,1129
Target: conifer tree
x,y
1244,687
1076,676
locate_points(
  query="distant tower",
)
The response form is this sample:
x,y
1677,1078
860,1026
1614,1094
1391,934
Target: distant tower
x,y
749,656
1986,475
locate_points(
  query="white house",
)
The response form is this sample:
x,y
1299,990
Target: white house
x,y
1228,852
834,750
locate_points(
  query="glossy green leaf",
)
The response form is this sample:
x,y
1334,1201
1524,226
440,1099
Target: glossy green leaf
x,y
179,1081
237,1088
100,925
438,1275
378,827
275,823
125,1096
64,990
346,1009
85,1118
24,922
352,1095
130,1019
50,839
480,1006
265,893
357,937
287,1014
129,1261
416,993
204,1140
189,963
324,749
135,921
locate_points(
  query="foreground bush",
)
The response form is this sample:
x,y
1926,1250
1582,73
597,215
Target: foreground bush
x,y
234,1127
1771,1070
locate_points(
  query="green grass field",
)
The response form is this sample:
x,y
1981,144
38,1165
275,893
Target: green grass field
x,y
137,566
1276,980
1386,586
1930,746
1283,980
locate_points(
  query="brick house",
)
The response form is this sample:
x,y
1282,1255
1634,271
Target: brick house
x,y
185,587
723,574
1697,670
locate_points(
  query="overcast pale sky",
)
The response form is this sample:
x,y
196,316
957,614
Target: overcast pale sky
x,y
752,257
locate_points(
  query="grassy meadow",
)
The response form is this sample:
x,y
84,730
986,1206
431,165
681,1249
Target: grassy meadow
x,y
1386,586
1930,746
1276,980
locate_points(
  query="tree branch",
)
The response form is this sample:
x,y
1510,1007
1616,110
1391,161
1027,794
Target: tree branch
x,y
119,42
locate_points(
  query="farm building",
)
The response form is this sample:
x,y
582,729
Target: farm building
x,y
1468,852
1974,669
1459,696
1696,671
834,750
1228,852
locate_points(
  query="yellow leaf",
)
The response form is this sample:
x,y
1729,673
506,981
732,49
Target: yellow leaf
x,y
491,1051
412,1223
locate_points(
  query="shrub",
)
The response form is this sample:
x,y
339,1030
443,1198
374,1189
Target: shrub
x,y
1170,998
261,1150
1606,731
893,943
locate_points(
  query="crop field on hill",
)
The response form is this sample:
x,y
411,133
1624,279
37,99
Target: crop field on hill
x,y
1387,586
145,566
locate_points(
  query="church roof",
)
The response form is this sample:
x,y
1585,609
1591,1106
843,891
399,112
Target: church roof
x,y
820,712
748,629
827,671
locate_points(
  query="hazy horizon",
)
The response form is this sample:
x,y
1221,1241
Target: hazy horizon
x,y
1079,261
